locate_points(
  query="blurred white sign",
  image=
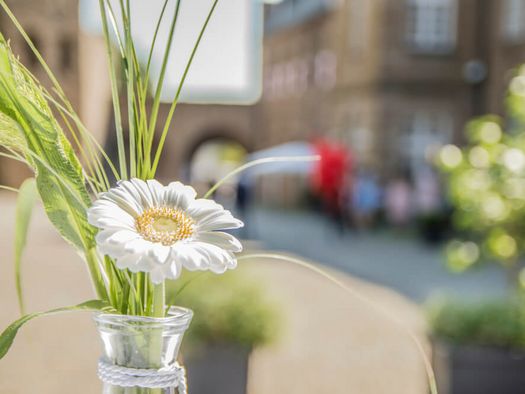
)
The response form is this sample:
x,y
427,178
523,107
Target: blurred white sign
x,y
227,66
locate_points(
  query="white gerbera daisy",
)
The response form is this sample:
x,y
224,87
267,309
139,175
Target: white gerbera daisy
x,y
145,226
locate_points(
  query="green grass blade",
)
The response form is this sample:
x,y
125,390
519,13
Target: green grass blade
x,y
8,188
27,197
154,40
179,89
162,74
8,336
114,94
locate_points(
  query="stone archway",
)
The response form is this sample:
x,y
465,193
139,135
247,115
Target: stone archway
x,y
211,160
194,125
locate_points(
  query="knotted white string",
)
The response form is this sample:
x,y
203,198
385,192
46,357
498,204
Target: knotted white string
x,y
174,376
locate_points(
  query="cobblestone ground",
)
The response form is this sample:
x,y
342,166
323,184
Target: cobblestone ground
x,y
332,342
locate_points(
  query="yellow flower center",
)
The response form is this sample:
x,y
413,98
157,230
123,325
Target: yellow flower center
x,y
164,225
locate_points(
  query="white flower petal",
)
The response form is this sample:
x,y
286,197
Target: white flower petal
x,y
107,222
214,258
188,257
159,253
144,264
219,221
172,270
157,192
122,237
139,246
172,193
132,193
157,275
179,195
126,261
143,189
201,208
123,200
222,240
103,209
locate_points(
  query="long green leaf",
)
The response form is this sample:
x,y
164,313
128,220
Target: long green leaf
x,y
63,189
9,334
60,178
11,136
27,197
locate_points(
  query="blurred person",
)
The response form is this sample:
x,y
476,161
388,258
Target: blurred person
x,y
348,196
427,192
329,179
432,218
242,203
366,199
398,201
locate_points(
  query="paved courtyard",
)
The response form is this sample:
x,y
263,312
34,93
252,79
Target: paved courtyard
x,y
398,261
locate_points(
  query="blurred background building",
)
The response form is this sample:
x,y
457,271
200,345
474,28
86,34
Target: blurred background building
x,y
391,80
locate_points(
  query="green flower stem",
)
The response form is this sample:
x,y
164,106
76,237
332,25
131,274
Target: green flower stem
x,y
96,275
159,300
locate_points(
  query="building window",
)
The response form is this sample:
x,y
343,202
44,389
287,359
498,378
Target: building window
x,y
431,25
325,69
288,13
426,131
513,22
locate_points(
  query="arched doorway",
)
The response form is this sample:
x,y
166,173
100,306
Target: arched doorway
x,y
211,161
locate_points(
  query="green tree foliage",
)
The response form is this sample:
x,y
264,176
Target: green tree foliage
x,y
486,183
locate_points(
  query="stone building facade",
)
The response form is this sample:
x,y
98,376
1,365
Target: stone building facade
x,y
389,78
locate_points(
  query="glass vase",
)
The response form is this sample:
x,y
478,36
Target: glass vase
x,y
140,342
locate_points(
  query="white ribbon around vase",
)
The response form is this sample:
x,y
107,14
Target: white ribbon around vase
x,y
175,376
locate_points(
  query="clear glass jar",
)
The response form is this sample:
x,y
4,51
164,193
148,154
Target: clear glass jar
x,y
142,343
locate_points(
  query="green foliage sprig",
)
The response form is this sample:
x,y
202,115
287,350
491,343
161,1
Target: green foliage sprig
x,y
31,133
487,323
33,126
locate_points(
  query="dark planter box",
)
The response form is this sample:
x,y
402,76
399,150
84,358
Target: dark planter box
x,y
218,369
478,370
